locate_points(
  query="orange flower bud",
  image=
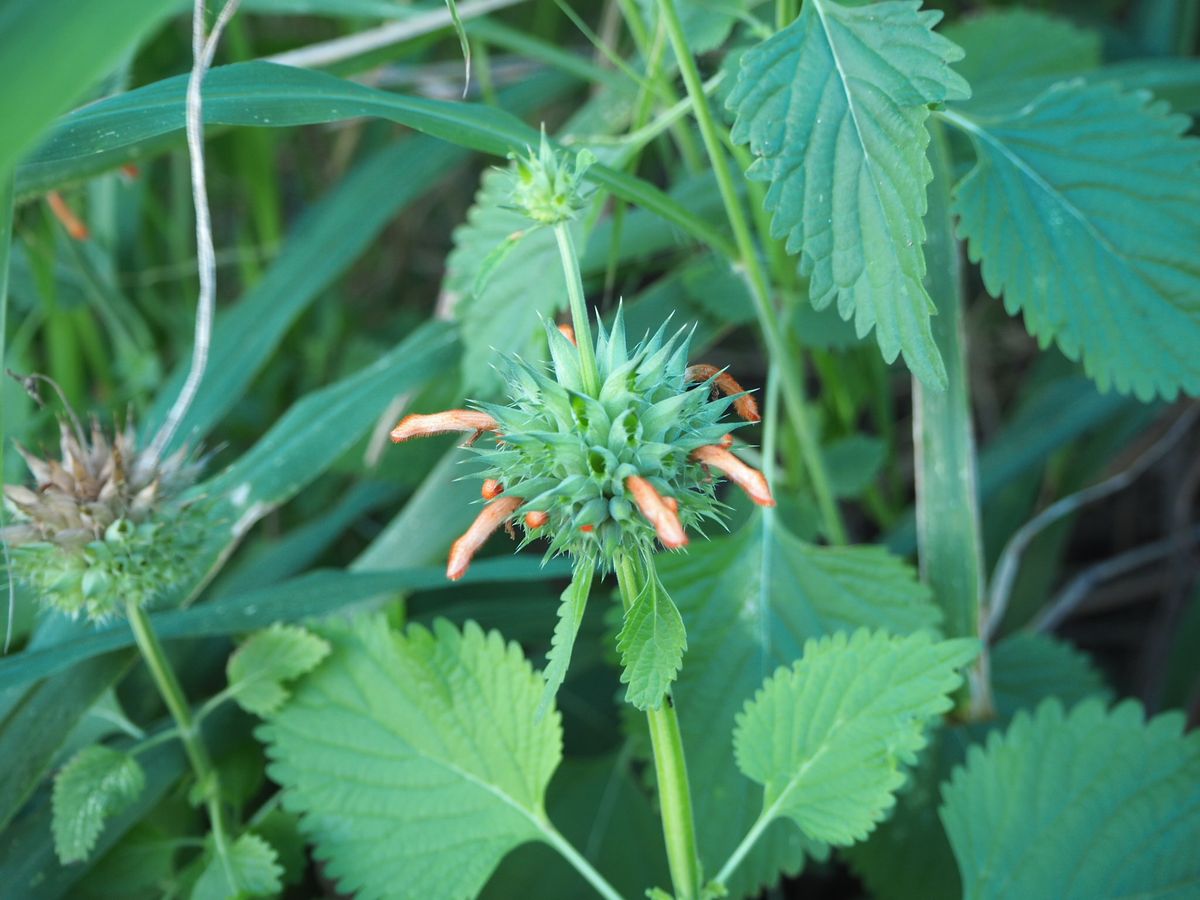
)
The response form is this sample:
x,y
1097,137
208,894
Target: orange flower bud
x,y
587,529
536,518
746,477
418,425
74,225
745,405
568,332
726,442
489,519
491,489
657,512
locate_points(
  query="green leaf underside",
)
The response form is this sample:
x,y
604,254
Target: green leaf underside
x,y
835,106
414,760
908,856
651,642
97,783
255,866
503,315
258,668
1088,804
570,617
1084,208
750,601
828,737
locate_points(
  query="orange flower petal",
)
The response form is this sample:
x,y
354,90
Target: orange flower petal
x,y
489,519
657,512
746,477
418,425
491,489
745,405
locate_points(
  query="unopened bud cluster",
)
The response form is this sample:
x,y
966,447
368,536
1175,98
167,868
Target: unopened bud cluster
x,y
548,186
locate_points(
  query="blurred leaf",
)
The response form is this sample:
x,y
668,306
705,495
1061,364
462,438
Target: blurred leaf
x,y
651,642
1098,192
853,463
54,50
834,107
833,765
97,783
128,126
258,668
750,601
441,726
1126,800
706,23
255,867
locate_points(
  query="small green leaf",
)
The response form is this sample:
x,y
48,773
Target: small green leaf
x,y
834,107
651,643
255,868
97,782
1089,804
258,668
414,760
1084,209
827,738
570,616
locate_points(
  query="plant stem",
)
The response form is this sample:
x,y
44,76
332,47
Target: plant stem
x,y
790,374
6,228
748,842
670,767
579,862
172,694
579,315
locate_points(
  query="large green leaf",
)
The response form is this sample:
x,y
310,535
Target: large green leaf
x,y
143,121
1084,208
835,106
750,601
415,759
54,50
827,739
1088,804
908,857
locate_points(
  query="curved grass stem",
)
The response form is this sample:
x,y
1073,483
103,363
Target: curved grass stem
x,y
790,372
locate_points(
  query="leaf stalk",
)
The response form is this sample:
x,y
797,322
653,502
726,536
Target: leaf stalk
x,y
579,315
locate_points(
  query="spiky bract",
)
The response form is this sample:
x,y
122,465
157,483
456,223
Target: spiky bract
x,y
569,454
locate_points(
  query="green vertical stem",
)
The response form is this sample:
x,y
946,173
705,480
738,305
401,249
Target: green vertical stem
x,y
670,767
172,694
948,530
579,314
6,228
790,372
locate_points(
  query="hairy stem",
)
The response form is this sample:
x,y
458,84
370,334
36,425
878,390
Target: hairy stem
x,y
790,373
579,314
670,767
172,694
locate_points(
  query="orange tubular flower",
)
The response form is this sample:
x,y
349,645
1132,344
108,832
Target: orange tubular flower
x,y
417,425
746,477
744,406
491,489
657,512
489,519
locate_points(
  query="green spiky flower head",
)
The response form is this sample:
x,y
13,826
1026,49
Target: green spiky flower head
x,y
570,456
103,525
548,185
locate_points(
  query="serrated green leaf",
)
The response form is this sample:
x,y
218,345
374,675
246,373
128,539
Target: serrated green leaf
x,y
835,106
258,668
414,759
97,782
1084,209
750,601
908,857
827,738
255,868
1089,804
570,617
651,642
